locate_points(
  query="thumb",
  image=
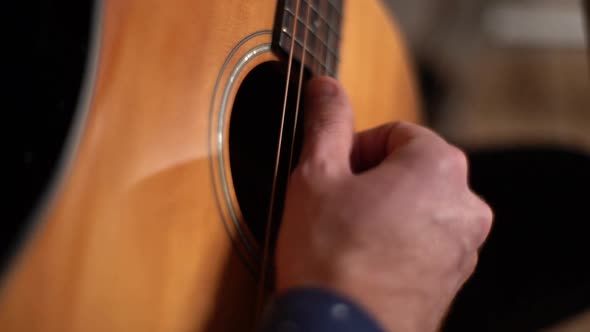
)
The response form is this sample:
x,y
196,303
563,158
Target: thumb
x,y
329,127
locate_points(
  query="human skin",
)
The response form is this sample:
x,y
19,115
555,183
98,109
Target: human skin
x,y
385,217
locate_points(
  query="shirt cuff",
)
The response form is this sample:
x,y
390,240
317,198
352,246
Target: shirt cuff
x,y
316,310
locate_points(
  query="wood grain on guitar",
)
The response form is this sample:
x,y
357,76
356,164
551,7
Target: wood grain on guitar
x,y
135,238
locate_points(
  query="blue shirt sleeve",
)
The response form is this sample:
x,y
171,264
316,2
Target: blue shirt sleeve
x,y
316,310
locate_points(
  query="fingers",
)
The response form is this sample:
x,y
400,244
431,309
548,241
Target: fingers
x,y
370,147
328,131
373,146
426,157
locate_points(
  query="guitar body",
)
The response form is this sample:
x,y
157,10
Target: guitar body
x,y
143,230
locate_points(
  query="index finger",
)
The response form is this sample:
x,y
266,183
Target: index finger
x,y
373,146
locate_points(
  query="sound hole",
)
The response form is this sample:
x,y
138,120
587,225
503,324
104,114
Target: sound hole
x,y
253,141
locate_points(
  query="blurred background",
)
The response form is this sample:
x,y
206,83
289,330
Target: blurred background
x,y
511,71
509,81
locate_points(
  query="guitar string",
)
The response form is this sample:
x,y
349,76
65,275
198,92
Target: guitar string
x,y
268,230
324,53
265,263
300,83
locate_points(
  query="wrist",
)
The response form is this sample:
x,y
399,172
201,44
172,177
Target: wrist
x,y
317,309
400,309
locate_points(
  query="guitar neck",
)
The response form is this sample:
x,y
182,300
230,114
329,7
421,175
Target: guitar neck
x,y
316,25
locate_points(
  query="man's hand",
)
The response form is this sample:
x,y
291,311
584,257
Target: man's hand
x,y
385,217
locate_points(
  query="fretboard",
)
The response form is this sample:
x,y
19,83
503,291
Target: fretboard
x,y
321,23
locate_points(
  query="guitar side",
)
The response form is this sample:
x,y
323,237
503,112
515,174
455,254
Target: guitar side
x,y
135,237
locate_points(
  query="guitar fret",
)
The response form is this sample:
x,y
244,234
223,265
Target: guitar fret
x,y
336,5
310,57
332,42
331,52
326,46
327,62
302,20
323,33
334,20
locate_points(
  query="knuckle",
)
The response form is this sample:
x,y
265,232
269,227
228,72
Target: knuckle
x,y
482,223
456,159
313,169
449,160
485,221
487,213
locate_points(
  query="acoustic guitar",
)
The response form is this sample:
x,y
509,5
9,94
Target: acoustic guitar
x,y
163,211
